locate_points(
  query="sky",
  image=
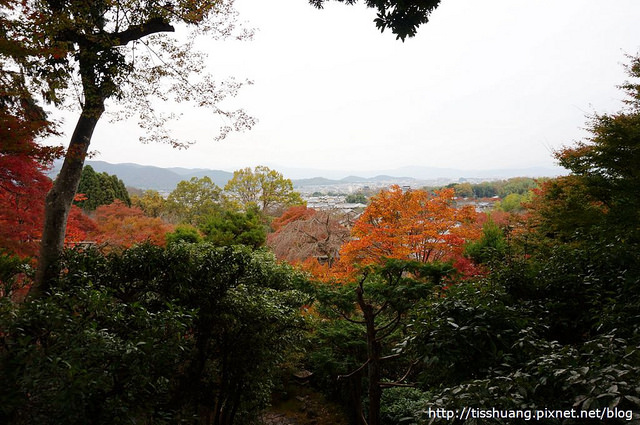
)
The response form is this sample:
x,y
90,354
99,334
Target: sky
x,y
487,84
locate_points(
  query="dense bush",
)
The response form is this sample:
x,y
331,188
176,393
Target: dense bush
x,y
187,334
555,332
81,356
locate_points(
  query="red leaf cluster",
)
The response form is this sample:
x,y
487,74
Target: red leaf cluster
x,y
23,187
118,225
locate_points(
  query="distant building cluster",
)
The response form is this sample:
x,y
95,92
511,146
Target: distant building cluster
x,y
480,204
333,202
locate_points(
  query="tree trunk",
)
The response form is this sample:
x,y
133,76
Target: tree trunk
x,y
60,197
375,391
375,350
355,389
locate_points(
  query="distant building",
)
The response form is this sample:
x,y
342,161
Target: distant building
x,y
327,202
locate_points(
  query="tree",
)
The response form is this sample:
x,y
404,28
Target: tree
x,y
22,119
100,189
464,190
553,328
188,334
294,213
121,226
410,225
380,301
317,236
22,184
356,198
490,247
608,163
266,188
151,202
113,50
235,228
95,358
519,185
601,195
193,201
514,202
23,187
22,160
485,190
401,16
184,233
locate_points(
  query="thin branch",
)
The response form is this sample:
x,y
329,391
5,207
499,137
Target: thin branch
x,y
395,384
177,74
390,327
399,383
355,371
363,419
413,363
345,317
389,357
382,307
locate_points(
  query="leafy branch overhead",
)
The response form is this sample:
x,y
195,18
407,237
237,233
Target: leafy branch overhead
x,y
92,53
80,52
402,17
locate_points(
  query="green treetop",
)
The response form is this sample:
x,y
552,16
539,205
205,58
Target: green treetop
x,y
266,188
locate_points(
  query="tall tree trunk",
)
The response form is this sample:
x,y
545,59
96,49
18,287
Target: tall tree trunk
x,y
355,390
374,349
60,197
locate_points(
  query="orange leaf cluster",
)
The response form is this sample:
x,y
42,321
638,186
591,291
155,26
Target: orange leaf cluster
x,y
294,213
121,226
413,224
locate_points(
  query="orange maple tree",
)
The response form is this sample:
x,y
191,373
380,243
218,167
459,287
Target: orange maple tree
x,y
291,214
412,224
121,226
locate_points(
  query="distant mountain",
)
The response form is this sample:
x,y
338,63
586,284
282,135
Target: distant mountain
x,y
166,179
219,177
429,173
315,181
186,171
386,178
150,177
418,173
353,179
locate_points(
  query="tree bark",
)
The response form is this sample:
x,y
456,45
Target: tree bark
x,y
356,397
60,197
98,84
375,350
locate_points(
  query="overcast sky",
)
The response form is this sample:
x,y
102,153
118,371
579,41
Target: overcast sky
x,y
485,85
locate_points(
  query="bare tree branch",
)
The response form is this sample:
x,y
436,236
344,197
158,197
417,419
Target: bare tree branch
x,y
395,384
389,327
345,317
355,371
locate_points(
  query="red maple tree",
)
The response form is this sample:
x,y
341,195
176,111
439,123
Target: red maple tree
x,y
305,234
23,187
118,225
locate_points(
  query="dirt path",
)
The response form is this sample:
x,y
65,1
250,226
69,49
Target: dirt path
x,y
305,406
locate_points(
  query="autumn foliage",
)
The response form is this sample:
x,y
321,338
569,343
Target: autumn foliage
x,y
295,213
411,224
308,236
23,187
121,226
